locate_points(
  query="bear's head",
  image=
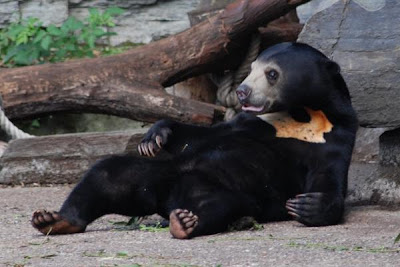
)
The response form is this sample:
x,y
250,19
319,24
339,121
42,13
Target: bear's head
x,y
291,75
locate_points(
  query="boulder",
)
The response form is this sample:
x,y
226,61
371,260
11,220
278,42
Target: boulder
x,y
144,20
48,11
107,3
363,36
389,148
307,10
374,172
8,12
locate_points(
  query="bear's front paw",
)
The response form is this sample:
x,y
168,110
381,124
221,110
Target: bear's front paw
x,y
155,139
315,209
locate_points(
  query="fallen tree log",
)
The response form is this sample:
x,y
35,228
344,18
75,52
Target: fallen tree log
x,y
210,46
61,158
141,103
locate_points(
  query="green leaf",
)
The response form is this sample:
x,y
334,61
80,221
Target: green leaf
x,y
39,36
94,11
14,31
60,54
88,53
114,11
4,43
90,41
10,54
32,21
397,239
53,30
26,42
70,47
45,43
24,58
122,254
110,24
71,25
21,39
133,221
110,33
35,123
98,32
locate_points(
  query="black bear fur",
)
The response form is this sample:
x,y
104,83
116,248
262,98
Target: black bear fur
x,y
233,169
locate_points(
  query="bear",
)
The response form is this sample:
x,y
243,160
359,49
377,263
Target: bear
x,y
286,156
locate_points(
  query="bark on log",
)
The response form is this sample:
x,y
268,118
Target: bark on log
x,y
143,104
209,46
61,158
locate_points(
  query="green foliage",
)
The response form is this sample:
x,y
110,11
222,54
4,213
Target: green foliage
x,y
135,223
397,239
28,42
153,228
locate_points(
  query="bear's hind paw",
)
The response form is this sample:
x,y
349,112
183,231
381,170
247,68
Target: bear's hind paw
x,y
51,223
182,223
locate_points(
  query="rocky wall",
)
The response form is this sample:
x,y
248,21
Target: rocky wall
x,y
142,22
363,36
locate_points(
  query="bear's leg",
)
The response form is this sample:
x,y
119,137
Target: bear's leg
x,y
211,214
121,184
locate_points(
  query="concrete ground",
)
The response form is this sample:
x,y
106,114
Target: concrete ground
x,y
365,239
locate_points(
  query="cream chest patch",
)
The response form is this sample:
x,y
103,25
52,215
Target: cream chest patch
x,y
312,131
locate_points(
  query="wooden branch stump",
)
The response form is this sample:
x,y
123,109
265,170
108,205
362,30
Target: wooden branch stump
x,y
101,84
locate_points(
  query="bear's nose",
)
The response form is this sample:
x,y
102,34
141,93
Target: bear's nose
x,y
243,92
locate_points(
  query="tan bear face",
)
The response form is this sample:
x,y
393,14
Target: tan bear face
x,y
290,75
289,78
259,92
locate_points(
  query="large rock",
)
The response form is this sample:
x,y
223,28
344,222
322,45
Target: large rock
x,y
363,36
9,11
107,3
389,149
374,173
306,11
144,20
371,183
48,11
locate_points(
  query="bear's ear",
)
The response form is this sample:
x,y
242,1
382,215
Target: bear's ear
x,y
331,66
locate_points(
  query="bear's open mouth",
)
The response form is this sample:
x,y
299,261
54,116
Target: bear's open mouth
x,y
267,107
252,108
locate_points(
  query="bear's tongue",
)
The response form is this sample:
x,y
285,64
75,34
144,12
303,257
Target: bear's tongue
x,y
252,108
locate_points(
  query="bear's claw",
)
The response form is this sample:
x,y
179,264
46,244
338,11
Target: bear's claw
x,y
305,208
154,141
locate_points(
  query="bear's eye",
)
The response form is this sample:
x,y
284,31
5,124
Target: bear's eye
x,y
272,75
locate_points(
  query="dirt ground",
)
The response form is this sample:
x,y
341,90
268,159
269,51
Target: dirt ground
x,y
365,239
